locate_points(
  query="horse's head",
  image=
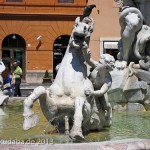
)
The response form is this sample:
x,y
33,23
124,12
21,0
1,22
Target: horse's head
x,y
81,32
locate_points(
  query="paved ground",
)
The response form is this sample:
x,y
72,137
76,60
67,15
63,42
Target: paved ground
x,y
27,88
129,144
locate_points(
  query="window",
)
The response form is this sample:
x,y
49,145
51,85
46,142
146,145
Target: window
x,y
111,47
65,1
14,0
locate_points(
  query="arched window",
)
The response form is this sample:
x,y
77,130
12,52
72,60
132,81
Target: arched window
x,y
13,49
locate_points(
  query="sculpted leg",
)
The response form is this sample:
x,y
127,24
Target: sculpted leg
x,y
30,118
108,115
76,131
106,107
3,99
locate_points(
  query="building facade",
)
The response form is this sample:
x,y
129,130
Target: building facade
x,y
36,32
106,33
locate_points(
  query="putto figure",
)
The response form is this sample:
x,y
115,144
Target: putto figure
x,y
102,80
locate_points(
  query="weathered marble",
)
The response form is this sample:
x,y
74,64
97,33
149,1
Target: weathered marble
x,y
135,107
3,98
125,89
147,104
119,79
67,96
134,55
119,107
101,80
135,35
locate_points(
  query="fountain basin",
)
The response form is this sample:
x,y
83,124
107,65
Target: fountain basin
x,y
125,125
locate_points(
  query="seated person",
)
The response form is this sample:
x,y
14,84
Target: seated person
x,y
7,86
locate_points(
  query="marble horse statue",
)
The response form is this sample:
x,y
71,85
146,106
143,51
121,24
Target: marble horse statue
x,y
66,96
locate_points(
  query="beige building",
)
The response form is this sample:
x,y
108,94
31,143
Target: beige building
x,y
36,32
107,29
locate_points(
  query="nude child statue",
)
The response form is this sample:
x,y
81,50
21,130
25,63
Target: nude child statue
x,y
101,79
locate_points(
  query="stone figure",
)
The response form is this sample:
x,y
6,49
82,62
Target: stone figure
x,y
132,80
3,98
141,70
101,79
135,22
135,33
66,97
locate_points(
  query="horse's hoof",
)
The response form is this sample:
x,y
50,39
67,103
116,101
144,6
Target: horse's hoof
x,y
108,121
4,99
30,121
76,134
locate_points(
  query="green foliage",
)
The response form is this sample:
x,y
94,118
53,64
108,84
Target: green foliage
x,y
47,74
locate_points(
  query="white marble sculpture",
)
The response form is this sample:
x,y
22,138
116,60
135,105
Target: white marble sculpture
x,y
67,96
134,51
101,80
134,22
3,98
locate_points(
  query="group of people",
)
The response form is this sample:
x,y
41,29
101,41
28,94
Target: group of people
x,y
12,81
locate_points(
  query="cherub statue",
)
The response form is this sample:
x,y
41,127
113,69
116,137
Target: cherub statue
x,y
101,79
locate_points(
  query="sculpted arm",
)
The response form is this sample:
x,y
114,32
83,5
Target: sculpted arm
x,y
100,92
133,66
141,65
103,89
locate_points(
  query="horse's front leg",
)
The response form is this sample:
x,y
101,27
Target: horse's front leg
x,y
76,131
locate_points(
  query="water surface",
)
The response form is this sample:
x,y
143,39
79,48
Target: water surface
x,y
125,125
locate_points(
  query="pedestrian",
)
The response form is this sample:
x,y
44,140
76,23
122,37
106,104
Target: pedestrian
x,y
7,78
18,74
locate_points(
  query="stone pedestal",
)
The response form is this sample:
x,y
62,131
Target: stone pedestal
x,y
127,93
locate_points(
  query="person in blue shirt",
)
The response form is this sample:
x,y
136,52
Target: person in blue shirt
x,y
7,86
